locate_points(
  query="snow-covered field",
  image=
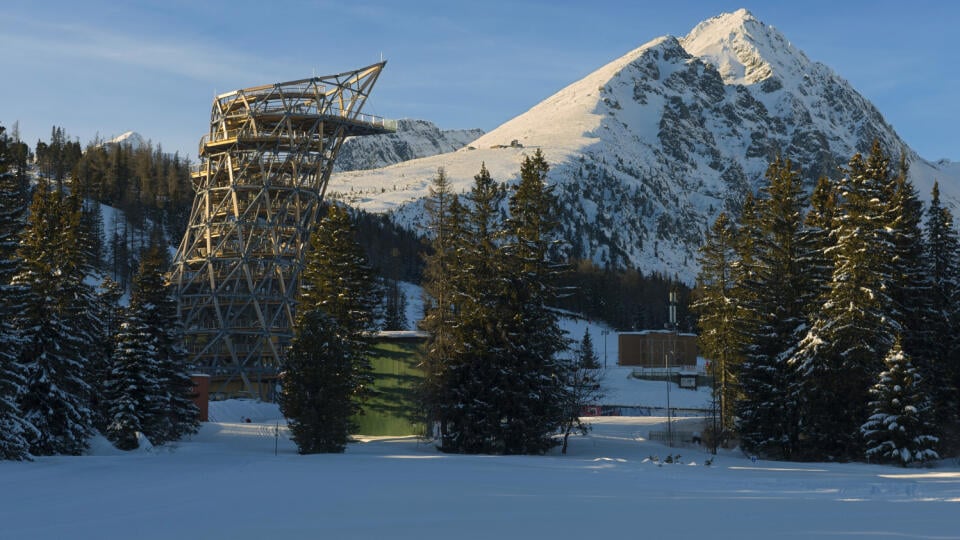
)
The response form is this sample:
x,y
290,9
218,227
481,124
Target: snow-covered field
x,y
227,482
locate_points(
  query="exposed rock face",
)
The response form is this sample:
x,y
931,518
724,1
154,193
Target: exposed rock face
x,y
414,139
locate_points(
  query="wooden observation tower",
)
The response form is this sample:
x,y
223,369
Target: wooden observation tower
x,y
263,171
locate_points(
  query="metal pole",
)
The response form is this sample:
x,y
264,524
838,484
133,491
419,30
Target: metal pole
x,y
673,351
666,366
605,334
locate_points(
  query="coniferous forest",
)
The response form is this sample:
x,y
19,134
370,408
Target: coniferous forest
x,y
73,360
831,320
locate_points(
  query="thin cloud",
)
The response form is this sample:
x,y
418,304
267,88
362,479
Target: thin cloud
x,y
199,61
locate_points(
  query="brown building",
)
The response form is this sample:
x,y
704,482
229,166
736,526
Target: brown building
x,y
657,349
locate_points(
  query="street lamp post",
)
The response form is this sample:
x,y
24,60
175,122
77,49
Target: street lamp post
x,y
673,351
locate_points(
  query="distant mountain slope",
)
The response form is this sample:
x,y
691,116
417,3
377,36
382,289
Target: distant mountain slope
x,y
647,150
413,139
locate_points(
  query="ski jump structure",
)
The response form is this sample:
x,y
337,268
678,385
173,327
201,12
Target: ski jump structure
x,y
264,168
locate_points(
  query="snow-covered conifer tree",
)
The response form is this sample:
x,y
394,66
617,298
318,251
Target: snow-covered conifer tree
x,y
898,429
56,325
942,373
327,372
152,302
767,411
132,393
843,350
14,430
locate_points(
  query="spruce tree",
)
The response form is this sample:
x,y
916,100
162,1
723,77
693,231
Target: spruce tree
x,y
445,222
152,301
767,411
898,429
110,315
719,339
14,429
320,384
133,395
586,355
908,279
338,280
57,328
534,340
327,372
583,389
472,383
747,311
942,373
817,245
843,350
395,305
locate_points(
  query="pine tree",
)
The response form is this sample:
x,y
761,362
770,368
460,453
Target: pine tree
x,y
767,412
132,392
898,429
14,429
320,385
152,301
327,372
56,324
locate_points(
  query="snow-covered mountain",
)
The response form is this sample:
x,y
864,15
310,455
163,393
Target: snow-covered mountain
x,y
413,139
647,150
130,138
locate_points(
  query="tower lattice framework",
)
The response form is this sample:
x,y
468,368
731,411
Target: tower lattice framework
x,y
264,168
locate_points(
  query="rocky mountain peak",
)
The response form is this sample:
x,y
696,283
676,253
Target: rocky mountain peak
x,y
744,49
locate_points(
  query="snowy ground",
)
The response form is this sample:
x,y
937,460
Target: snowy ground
x,y
226,482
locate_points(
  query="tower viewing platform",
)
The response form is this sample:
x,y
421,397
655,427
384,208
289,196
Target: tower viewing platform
x,y
264,168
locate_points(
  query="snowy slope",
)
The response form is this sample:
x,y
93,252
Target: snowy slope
x,y
647,150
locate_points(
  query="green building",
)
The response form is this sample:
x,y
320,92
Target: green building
x,y
392,409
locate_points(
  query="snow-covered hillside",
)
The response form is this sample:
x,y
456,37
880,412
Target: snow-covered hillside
x,y
647,150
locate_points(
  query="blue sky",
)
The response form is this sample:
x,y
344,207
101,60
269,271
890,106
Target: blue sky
x,y
154,66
